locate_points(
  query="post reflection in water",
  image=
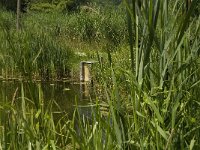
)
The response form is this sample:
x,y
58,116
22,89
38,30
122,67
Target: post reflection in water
x,y
62,94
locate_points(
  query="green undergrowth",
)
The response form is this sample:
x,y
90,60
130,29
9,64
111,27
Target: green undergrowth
x,y
31,123
48,44
152,87
147,93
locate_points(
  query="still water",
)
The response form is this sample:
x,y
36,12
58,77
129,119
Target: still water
x,y
63,94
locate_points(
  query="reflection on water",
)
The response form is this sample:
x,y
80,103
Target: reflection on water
x,y
63,94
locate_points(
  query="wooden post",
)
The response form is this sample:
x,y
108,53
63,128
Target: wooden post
x,y
85,79
18,15
84,91
85,71
188,2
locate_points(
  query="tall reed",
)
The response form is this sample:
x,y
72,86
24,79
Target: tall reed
x,y
153,104
29,123
47,50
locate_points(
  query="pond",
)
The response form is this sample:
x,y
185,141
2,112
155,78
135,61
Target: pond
x,y
63,95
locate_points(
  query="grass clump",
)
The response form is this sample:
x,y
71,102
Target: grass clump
x,y
33,53
29,123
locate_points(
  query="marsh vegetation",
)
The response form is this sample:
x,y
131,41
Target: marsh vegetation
x,y
146,82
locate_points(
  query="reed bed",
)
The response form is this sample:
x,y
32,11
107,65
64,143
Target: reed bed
x,y
29,124
154,100
48,50
150,91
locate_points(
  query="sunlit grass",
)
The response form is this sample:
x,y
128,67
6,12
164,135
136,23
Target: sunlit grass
x,y
150,91
47,50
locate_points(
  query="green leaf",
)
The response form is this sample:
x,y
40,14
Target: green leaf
x,y
38,113
160,130
174,109
53,144
155,109
192,143
139,114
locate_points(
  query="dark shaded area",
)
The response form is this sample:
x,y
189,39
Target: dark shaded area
x,y
70,5
11,5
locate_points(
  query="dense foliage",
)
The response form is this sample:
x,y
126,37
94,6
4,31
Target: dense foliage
x,y
49,43
50,5
146,80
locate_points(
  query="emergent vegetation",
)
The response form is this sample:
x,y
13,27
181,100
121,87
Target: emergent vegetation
x,y
147,83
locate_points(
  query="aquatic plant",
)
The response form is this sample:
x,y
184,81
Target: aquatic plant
x,y
30,124
148,94
47,50
153,104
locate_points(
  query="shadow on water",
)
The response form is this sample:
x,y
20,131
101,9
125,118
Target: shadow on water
x,y
63,95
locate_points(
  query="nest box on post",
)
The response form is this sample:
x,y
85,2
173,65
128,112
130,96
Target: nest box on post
x,y
85,71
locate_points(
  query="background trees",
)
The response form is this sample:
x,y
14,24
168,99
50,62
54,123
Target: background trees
x,y
42,4
52,5
12,4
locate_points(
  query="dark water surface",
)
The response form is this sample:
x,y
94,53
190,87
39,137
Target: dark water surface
x,y
62,94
